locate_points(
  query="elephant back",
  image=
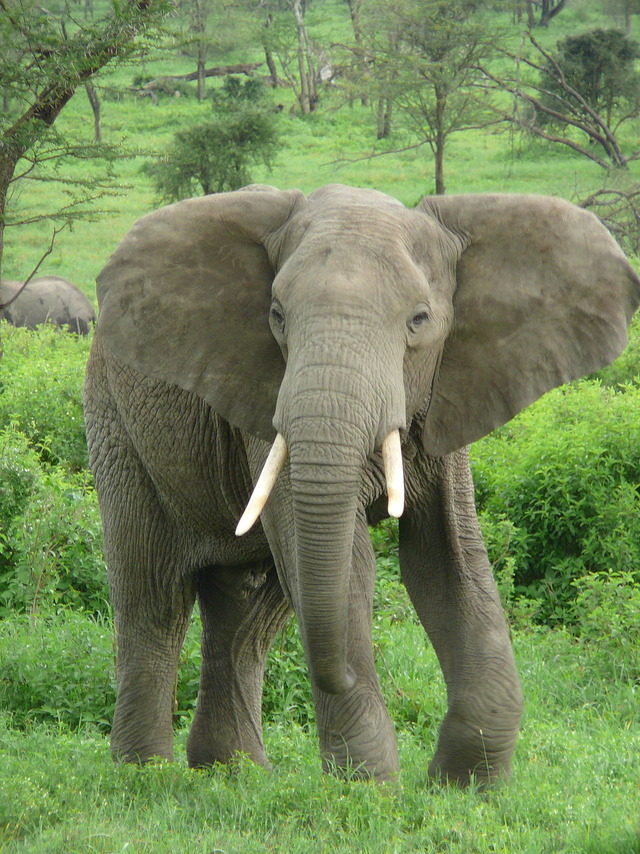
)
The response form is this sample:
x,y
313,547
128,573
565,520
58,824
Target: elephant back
x,y
48,299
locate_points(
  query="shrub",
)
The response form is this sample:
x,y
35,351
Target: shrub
x,y
565,475
57,668
50,534
218,155
41,391
625,371
607,613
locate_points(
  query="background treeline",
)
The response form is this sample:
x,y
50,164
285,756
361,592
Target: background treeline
x,y
558,488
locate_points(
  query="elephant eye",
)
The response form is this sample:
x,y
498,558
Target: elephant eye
x,y
276,317
418,320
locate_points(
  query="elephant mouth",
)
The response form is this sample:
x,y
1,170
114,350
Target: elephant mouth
x,y
393,468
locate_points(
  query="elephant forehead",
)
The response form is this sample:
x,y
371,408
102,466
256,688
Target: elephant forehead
x,y
341,273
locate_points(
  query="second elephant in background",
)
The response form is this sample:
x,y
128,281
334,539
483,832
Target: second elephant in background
x,y
47,299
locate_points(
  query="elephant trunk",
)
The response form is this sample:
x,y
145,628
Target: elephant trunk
x,y
325,501
331,416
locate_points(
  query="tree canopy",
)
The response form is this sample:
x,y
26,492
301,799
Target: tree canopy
x,y
424,57
600,65
50,54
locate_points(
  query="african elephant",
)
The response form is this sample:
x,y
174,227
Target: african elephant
x,y
373,342
48,299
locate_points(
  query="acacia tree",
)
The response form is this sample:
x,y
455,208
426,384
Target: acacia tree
x,y
423,55
600,64
549,93
209,30
51,56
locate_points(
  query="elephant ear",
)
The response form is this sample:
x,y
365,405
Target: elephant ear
x,y
543,295
185,299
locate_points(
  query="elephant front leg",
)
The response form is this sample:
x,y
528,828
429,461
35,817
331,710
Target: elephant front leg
x,y
355,731
150,622
447,574
242,610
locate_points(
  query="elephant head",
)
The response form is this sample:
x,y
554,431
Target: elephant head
x,y
331,322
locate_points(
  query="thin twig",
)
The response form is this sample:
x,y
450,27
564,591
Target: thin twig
x,y
56,232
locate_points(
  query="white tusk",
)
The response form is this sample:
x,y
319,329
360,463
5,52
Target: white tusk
x,y
266,481
394,474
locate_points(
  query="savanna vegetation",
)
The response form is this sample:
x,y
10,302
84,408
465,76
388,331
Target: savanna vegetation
x,y
557,488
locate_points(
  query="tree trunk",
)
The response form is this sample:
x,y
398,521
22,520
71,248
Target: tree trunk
x,y
95,106
531,19
354,11
271,65
201,76
439,168
440,139
305,81
549,11
385,106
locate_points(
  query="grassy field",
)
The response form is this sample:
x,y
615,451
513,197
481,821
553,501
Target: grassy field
x,y
576,784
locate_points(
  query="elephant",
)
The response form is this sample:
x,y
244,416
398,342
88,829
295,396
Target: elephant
x,y
273,372
48,299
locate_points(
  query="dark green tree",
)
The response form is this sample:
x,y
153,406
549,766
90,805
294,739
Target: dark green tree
x,y
217,155
547,105
600,65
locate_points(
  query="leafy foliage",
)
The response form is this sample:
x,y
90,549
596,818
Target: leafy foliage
x,y
216,156
58,668
565,475
607,612
50,534
48,55
41,392
600,65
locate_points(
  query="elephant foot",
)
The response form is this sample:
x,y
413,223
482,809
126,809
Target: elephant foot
x,y
470,754
346,766
206,748
357,745
140,751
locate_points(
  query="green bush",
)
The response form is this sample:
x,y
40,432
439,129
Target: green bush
x,y
41,376
58,667
50,534
565,475
625,371
607,612
218,155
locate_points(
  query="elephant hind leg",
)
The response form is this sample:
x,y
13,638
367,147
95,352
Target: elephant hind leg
x,y
242,610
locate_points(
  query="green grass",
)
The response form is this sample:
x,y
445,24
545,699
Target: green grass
x,y
575,785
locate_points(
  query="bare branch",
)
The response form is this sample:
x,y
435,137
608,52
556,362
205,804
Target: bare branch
x,y
569,109
56,232
374,154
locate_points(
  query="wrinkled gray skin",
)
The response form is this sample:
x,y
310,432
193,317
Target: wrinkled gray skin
x,y
48,299
335,317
